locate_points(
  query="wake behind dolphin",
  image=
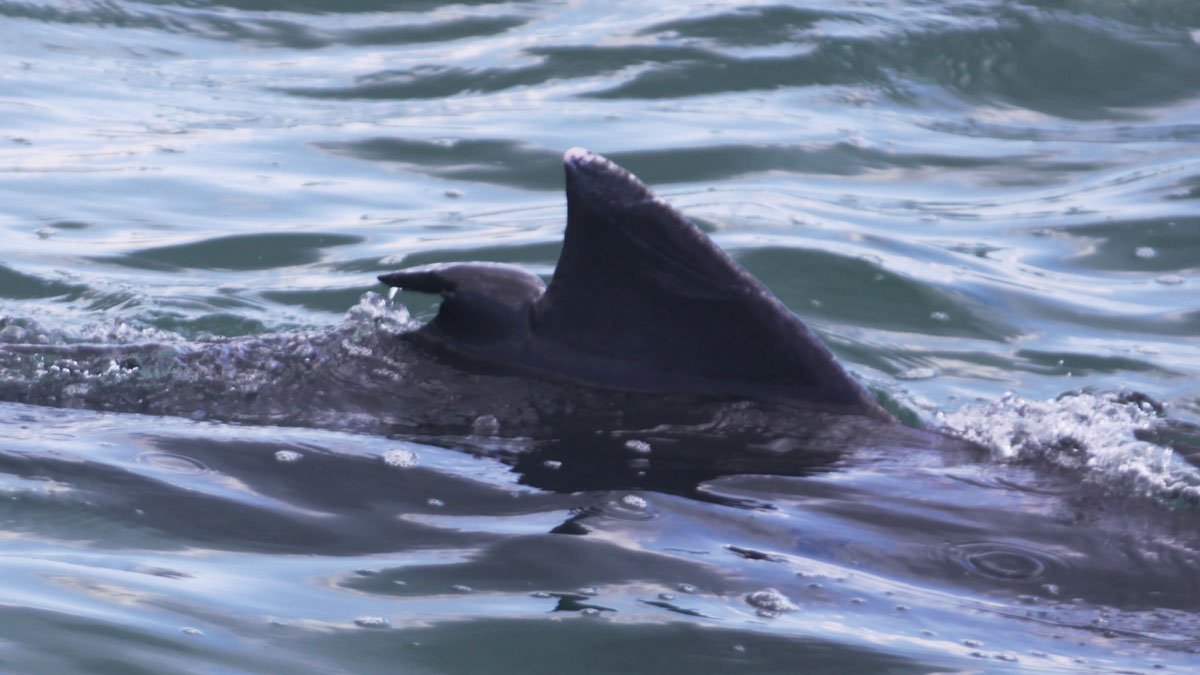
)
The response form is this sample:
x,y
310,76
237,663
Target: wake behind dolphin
x,y
640,300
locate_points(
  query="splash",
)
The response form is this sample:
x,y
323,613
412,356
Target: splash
x,y
1100,435
376,313
299,378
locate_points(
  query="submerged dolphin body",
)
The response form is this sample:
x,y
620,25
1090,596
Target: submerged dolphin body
x,y
641,300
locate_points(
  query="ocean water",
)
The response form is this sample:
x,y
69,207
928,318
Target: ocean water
x,y
216,455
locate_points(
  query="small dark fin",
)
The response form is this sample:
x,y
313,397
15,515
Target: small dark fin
x,y
504,282
637,282
425,279
481,302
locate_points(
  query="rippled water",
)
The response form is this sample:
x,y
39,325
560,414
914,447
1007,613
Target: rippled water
x,y
216,456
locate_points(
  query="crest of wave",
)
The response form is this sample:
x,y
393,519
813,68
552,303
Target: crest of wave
x,y
1099,434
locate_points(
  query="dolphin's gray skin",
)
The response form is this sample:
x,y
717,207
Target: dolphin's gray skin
x,y
641,300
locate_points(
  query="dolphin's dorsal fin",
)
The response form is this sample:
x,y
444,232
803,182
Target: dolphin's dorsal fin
x,y
637,282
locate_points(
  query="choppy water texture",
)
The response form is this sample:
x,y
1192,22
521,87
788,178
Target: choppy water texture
x,y
215,456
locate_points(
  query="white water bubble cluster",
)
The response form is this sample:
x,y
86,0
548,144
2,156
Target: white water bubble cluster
x,y
634,502
770,602
107,372
120,331
1092,432
375,312
400,458
638,446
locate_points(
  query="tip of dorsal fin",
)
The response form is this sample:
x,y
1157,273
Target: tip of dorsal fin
x,y
595,180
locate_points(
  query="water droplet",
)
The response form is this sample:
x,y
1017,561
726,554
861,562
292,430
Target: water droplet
x,y
485,425
461,588
552,464
1145,252
287,456
634,502
400,458
939,316
770,600
638,446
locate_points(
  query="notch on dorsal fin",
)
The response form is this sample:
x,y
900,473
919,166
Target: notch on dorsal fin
x,y
638,283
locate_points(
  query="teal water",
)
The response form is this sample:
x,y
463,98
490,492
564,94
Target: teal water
x,y
981,205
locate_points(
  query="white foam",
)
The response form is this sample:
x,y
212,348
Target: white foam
x,y
1092,432
638,446
770,601
401,458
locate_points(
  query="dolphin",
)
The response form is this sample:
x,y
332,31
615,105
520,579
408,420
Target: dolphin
x,y
641,300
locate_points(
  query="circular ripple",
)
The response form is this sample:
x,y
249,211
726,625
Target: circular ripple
x,y
628,507
174,463
1003,562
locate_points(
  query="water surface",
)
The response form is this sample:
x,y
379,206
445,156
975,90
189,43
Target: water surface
x,y
980,205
